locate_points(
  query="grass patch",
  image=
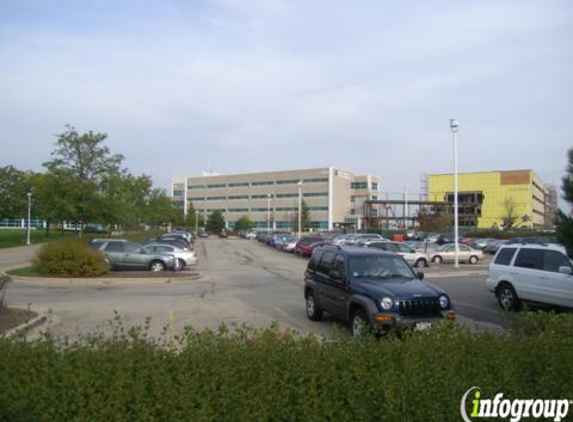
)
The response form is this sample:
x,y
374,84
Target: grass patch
x,y
10,238
274,375
31,271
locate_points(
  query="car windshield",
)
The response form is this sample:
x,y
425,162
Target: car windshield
x,y
382,267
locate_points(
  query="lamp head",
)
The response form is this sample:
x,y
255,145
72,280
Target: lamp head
x,y
454,124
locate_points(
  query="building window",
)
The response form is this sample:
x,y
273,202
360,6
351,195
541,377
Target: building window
x,y
263,183
316,180
318,208
260,224
287,195
196,187
216,198
259,209
237,185
238,196
287,208
177,193
374,186
283,225
287,182
359,185
210,210
259,196
216,186
321,225
314,194
239,210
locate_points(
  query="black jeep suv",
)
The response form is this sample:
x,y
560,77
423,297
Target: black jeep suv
x,y
371,287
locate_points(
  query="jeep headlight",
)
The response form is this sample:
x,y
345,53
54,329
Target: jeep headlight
x,y
387,303
444,302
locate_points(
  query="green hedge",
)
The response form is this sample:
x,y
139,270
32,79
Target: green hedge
x,y
70,258
270,375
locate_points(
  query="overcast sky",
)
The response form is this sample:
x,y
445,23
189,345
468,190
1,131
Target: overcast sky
x,y
258,85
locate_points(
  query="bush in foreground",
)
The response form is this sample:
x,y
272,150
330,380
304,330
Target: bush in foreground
x,y
269,375
70,258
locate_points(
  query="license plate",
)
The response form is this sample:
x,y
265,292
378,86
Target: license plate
x,y
423,325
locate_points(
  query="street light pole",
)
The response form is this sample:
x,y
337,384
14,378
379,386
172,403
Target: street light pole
x,y
196,222
454,124
300,209
268,212
29,213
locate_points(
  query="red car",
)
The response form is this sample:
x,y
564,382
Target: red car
x,y
224,234
305,245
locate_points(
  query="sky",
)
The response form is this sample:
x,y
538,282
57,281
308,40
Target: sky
x,y
258,85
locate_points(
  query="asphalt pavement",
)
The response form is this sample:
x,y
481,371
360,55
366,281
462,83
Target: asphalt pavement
x,y
242,282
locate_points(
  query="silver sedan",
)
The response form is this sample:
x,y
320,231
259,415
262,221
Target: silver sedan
x,y
185,257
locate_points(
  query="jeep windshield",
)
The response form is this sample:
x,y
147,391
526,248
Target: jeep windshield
x,y
383,267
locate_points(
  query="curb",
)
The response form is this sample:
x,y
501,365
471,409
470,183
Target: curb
x,y
455,274
27,326
110,280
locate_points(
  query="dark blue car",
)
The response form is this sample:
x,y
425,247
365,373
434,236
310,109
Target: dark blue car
x,y
369,287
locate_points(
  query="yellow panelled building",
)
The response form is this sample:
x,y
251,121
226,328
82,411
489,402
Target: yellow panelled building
x,y
489,199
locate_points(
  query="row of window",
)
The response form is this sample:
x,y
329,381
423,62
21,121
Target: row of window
x,y
538,259
261,209
322,225
277,196
259,183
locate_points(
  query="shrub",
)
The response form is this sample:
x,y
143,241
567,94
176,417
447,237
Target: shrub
x,y
70,258
272,375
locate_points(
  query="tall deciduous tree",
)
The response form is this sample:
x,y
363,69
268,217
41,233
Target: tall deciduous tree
x,y
215,222
243,223
84,161
565,221
14,186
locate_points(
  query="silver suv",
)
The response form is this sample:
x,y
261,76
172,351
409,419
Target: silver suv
x,y
531,273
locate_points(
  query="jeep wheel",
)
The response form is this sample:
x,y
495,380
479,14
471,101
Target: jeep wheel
x,y
313,312
421,263
507,297
437,259
473,259
157,266
359,323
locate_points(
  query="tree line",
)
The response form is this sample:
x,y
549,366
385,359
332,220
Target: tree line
x,y
84,182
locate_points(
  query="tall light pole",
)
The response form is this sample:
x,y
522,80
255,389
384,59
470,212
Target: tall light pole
x,y
300,209
268,212
29,213
454,124
196,211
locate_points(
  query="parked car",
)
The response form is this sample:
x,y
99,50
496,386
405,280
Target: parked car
x,y
424,247
531,273
447,253
412,257
251,234
203,232
480,243
370,287
224,234
290,244
280,240
185,257
132,256
361,238
96,243
178,243
492,246
304,245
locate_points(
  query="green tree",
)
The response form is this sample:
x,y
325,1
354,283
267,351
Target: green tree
x,y
215,222
564,221
243,223
47,202
14,186
305,217
85,162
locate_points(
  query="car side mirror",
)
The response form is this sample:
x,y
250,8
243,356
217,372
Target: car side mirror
x,y
420,275
565,270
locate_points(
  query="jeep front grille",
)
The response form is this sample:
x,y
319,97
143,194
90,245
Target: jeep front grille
x,y
422,307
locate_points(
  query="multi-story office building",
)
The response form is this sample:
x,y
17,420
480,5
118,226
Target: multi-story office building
x,y
271,199
494,197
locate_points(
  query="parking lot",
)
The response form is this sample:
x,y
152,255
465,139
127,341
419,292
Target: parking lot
x,y
242,282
